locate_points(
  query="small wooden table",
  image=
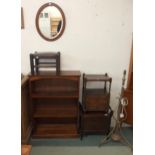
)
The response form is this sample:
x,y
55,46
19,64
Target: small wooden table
x,y
25,149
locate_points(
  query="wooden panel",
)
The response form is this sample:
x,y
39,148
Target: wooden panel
x,y
53,110
96,122
56,120
129,108
55,131
129,91
25,111
96,100
65,87
53,94
62,73
130,74
97,77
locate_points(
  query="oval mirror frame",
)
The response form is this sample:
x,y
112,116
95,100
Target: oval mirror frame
x,y
37,21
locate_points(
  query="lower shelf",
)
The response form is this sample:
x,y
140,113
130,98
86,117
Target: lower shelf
x,y
55,131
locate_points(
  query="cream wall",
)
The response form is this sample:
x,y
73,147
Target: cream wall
x,y
97,37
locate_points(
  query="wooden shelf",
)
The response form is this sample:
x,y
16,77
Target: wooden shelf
x,y
55,95
55,111
55,131
96,92
97,77
54,114
54,74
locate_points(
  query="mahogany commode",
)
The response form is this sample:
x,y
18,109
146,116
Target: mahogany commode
x,y
95,109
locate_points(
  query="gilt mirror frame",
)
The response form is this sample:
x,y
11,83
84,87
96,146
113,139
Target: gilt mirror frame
x,y
37,21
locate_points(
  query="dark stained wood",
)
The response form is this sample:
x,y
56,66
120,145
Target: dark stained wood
x,y
97,77
55,86
95,115
55,95
25,111
42,60
128,92
55,105
96,99
73,74
55,131
130,73
97,102
96,122
54,110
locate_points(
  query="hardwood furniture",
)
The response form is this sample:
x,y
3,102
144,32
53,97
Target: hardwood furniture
x,y
128,92
55,104
44,60
25,149
96,99
95,111
25,111
95,122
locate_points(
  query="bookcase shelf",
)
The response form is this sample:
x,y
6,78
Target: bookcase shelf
x,y
55,95
55,104
55,110
55,131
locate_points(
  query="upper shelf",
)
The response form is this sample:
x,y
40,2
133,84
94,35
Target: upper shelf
x,y
96,92
72,94
97,77
53,73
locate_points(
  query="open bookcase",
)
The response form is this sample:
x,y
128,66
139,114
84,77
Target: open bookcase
x,y
55,104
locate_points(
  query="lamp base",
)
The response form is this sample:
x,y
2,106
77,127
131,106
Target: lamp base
x,y
117,137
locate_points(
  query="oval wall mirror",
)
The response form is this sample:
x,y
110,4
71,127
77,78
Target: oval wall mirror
x,y
50,21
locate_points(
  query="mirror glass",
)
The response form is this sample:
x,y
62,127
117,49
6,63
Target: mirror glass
x,y
50,21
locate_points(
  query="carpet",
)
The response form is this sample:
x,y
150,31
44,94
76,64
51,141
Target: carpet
x,y
89,145
58,150
90,140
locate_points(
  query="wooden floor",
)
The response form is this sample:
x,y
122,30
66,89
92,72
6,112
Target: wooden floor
x,y
25,149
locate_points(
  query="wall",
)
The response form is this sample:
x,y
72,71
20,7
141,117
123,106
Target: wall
x,y
97,37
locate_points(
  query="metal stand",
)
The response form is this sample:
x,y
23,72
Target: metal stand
x,y
116,133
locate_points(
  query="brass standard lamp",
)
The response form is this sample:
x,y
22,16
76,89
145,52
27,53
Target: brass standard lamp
x,y
116,134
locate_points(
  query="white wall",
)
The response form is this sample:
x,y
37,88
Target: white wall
x,y
97,37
